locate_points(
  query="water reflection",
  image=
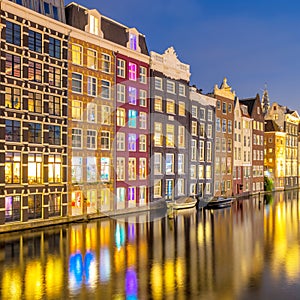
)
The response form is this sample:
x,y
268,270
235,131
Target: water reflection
x,y
251,250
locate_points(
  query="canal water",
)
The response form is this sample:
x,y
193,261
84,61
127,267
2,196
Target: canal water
x,y
248,251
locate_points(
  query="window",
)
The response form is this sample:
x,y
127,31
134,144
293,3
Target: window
x,y
12,131
218,104
105,140
201,150
202,130
229,146
77,171
170,135
208,151
224,125
91,139
13,33
180,186
131,168
218,144
170,106
35,133
105,91
181,109
54,168
12,208
12,167
181,90
35,71
92,59
202,113
170,87
131,142
132,71
223,145
132,41
143,75
54,105
55,76
91,169
181,164
105,63
143,120
76,54
142,143
12,97
194,127
91,114
121,117
209,131
194,111
224,108
193,172
209,115
200,171
158,136
158,103
76,138
120,168
157,163
77,110
229,108
92,86
34,168
158,83
120,141
13,65
132,118
157,188
218,124
208,188
181,136
34,41
77,83
46,8
132,95
54,135
142,168
193,150
131,193
121,68
54,204
143,195
229,126
54,47
94,25
143,98
169,163
105,115
193,189
121,93
34,206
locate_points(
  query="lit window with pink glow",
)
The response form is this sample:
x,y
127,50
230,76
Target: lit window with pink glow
x,y
132,71
132,41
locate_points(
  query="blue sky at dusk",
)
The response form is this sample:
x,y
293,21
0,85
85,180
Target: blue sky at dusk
x,y
250,42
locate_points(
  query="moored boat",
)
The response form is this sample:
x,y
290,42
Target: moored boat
x,y
182,203
219,202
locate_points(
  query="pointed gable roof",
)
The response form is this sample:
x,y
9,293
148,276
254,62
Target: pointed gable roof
x,y
271,125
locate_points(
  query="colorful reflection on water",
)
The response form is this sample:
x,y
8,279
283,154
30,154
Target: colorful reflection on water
x,y
251,250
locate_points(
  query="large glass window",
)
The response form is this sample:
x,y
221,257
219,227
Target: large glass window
x,y
132,70
132,41
76,54
77,110
35,164
13,208
13,33
157,163
120,168
54,134
181,108
35,133
91,139
54,47
170,135
181,164
169,163
92,59
131,168
170,106
132,118
54,168
12,131
35,71
54,105
105,91
158,134
55,76
54,204
13,65
121,93
35,102
92,86
105,169
180,186
94,25
77,83
12,167
77,172
76,138
12,97
91,169
121,117
91,112
158,103
34,41
34,206
143,168
105,140
132,95
131,142
105,115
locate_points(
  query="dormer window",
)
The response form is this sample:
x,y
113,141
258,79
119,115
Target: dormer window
x,y
132,41
94,25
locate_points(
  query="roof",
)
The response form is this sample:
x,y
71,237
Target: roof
x,y
250,103
271,125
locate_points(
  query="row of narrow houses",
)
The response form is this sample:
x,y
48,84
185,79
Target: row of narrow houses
x,y
92,122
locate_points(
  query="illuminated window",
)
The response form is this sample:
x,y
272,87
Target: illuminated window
x,y
202,113
76,54
131,193
170,106
194,111
131,142
76,138
143,195
193,172
105,115
209,115
180,186
35,133
208,151
121,117
54,105
170,87
54,76
157,188
181,90
91,169
54,204
77,171
202,130
35,71
105,140
181,136
169,163
121,94
77,110
131,168
12,208
209,131
132,41
12,97
158,83
13,33
12,167
120,168
94,25
34,41
12,131
76,83
194,127
132,71
132,118
54,168
105,63
157,163
193,189
91,114
142,143
181,109
193,150
181,164
208,188
35,163
34,206
143,98
142,168
120,141
143,120
121,68
91,139
132,95
105,89
158,135
201,150
92,86
158,103
121,194
54,47
54,137
200,171
143,75
92,59
208,171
